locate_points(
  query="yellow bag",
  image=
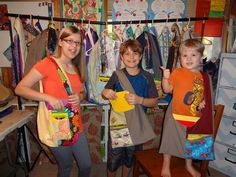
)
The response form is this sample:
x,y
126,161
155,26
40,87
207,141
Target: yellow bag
x,y
53,126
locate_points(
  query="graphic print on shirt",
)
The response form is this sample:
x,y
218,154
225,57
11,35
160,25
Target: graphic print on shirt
x,y
192,99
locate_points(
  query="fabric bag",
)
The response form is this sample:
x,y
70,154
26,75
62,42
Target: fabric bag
x,y
119,132
200,149
53,126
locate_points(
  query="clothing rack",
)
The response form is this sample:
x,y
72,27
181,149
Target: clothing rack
x,y
107,22
82,22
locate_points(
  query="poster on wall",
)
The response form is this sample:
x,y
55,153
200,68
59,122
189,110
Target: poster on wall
x,y
4,20
217,8
92,10
203,9
123,10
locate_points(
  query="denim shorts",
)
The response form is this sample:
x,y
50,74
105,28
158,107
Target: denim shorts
x,y
121,156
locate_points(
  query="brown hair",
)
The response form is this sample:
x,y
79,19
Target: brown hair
x,y
79,60
192,43
134,45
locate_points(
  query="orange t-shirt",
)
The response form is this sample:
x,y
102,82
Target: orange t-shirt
x,y
52,83
188,92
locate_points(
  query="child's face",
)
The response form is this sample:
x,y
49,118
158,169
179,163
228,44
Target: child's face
x,y
70,46
131,59
190,59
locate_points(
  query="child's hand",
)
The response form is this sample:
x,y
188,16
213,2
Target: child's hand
x,y
56,103
201,105
133,99
166,72
109,94
74,99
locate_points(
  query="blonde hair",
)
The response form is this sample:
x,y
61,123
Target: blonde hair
x,y
192,43
79,60
134,45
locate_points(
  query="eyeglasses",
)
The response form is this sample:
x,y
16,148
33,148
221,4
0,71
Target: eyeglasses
x,y
72,42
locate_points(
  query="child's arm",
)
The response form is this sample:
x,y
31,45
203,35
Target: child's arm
x,y
109,94
135,99
167,88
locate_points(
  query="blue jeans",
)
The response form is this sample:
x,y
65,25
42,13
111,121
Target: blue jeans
x,y
64,156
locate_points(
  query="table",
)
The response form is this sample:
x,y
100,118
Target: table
x,y
16,120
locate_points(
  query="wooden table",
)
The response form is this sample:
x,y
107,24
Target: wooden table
x,y
16,119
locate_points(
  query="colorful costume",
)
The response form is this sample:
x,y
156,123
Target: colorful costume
x,y
183,115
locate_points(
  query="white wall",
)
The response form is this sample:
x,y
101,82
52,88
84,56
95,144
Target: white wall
x,y
22,7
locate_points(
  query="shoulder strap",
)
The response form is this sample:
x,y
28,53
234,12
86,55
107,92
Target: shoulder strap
x,y
63,76
124,81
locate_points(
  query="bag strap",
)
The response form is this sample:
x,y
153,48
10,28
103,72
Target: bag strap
x,y
63,76
124,81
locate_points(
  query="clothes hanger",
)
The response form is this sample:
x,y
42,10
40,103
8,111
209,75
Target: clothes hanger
x,y
165,29
52,24
139,30
38,25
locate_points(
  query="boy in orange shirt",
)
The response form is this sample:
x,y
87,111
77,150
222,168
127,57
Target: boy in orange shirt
x,y
187,86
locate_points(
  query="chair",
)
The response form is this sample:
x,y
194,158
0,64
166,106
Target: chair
x,y
150,161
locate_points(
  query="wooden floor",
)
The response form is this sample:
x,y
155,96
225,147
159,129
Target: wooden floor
x,y
98,170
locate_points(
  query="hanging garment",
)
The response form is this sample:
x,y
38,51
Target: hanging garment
x,y
151,59
51,39
17,73
138,31
22,43
186,32
173,53
37,49
91,38
205,124
31,29
153,31
164,40
102,63
38,25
